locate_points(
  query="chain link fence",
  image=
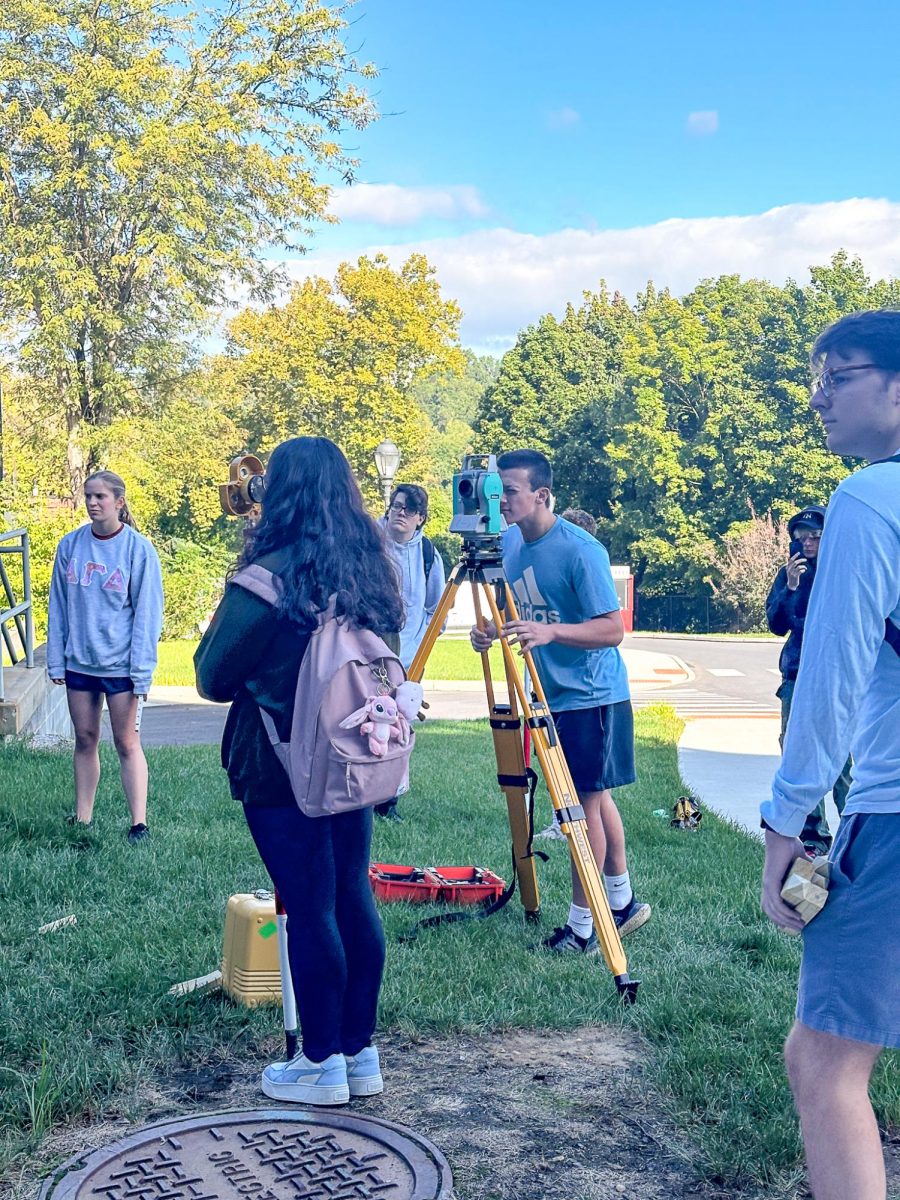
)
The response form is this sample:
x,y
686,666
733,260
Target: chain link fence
x,y
683,613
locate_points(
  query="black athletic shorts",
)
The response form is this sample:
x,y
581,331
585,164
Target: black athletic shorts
x,y
599,745
108,685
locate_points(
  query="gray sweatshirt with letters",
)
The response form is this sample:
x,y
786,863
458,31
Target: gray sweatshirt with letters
x,y
106,605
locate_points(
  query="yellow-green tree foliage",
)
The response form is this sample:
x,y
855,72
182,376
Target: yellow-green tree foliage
x,y
340,359
148,150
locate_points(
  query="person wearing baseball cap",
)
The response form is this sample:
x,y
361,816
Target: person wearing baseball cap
x,y
786,608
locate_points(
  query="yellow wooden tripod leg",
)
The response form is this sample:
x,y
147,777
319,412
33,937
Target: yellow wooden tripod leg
x,y
565,802
506,729
507,733
507,742
436,624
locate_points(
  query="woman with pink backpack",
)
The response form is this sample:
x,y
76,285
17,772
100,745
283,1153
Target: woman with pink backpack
x,y
313,542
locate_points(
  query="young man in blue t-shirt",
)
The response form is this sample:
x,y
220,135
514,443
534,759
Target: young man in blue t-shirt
x,y
569,619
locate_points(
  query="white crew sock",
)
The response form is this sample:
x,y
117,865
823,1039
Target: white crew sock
x,y
618,890
580,921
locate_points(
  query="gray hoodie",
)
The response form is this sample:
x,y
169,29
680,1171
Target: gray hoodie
x,y
419,601
106,607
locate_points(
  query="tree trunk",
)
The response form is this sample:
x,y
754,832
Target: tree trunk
x,y
75,459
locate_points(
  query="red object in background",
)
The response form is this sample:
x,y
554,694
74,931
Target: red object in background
x,y
422,885
628,611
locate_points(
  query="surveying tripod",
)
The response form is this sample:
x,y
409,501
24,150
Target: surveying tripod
x,y
481,563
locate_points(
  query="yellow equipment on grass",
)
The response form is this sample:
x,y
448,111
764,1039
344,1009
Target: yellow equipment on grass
x,y
250,966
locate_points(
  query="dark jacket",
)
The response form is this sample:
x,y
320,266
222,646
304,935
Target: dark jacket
x,y
786,614
250,656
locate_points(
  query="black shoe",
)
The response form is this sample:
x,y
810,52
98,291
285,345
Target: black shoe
x,y
567,941
388,812
631,917
72,819
137,833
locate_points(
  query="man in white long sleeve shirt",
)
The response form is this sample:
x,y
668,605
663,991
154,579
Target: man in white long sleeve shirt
x,y
847,697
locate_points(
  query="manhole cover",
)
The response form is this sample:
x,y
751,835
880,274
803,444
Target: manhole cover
x,y
264,1155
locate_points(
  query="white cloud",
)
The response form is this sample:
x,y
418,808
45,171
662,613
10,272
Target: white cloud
x,y
390,204
505,280
563,118
703,124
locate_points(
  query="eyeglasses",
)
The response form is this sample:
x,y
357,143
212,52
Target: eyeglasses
x,y
829,381
808,535
401,510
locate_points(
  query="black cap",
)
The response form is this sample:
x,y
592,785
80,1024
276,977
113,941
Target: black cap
x,y
813,516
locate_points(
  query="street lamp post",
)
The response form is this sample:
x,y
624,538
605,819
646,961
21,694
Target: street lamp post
x,y
387,463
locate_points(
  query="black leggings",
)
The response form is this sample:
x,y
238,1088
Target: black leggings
x,y
320,867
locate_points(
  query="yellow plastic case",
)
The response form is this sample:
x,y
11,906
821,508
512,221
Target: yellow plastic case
x,y
250,968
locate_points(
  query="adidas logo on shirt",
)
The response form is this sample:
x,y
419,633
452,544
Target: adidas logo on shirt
x,y
531,604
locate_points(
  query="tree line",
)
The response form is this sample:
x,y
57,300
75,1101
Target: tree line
x,y
151,158
678,420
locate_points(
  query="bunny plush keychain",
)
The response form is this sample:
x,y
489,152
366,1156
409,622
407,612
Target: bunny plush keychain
x,y
379,720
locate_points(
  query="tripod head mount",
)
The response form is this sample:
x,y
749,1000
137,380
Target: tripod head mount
x,y
483,554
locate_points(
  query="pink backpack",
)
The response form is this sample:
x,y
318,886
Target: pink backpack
x,y
348,748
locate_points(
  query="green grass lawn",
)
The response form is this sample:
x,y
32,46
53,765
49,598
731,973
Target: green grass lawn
x,y
452,658
86,1025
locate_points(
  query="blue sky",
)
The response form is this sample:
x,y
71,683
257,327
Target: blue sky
x,y
534,149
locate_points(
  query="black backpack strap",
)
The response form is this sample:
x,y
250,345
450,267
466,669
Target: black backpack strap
x,y
891,631
427,555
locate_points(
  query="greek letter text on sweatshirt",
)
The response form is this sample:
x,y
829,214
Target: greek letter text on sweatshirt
x,y
105,607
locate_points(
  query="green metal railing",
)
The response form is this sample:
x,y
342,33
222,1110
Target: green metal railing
x,y
20,644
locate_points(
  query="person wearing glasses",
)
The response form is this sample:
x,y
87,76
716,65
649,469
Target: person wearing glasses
x,y
847,696
786,608
421,572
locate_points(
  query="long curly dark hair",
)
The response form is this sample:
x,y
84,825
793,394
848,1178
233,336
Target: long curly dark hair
x,y
313,509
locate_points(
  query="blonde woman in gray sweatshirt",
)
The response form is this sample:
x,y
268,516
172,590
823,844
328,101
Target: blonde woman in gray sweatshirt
x,y
104,624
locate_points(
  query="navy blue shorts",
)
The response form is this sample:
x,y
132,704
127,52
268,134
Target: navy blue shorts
x,y
849,981
108,685
599,745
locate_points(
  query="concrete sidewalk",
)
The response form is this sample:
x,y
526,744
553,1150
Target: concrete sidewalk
x,y
728,763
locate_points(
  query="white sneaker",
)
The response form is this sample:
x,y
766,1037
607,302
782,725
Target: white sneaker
x,y
364,1073
553,833
306,1082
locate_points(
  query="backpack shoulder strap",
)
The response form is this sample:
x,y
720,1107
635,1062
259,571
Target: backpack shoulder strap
x,y
891,631
260,582
427,555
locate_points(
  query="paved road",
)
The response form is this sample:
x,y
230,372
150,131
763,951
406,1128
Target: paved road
x,y
731,677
